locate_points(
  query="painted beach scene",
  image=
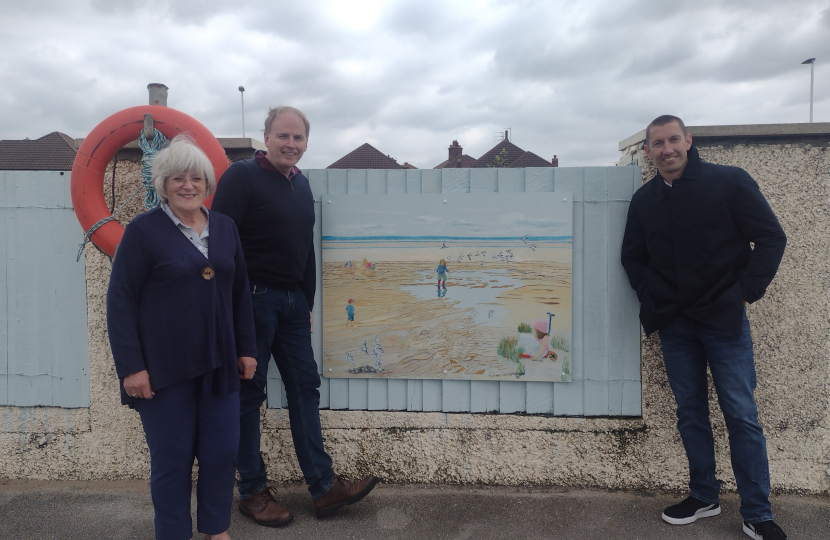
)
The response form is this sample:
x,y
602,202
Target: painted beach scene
x,y
473,286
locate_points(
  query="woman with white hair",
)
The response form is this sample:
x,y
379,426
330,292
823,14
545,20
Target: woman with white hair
x,y
182,335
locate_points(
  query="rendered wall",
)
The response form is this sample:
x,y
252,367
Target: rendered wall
x,y
790,327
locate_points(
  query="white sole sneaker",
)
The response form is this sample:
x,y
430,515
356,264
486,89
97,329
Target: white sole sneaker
x,y
751,532
708,511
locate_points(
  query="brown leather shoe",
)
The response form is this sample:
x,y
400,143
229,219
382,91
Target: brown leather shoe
x,y
265,510
343,492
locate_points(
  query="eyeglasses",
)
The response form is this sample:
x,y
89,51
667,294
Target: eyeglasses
x,y
180,180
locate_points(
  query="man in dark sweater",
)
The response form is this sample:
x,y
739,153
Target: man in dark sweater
x,y
271,202
687,253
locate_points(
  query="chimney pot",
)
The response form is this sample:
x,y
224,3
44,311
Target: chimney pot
x,y
455,150
555,161
158,94
505,135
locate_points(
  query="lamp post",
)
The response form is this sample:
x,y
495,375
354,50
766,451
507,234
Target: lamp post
x,y
242,97
812,62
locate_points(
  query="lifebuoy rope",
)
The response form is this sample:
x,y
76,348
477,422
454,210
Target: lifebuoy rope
x,y
151,198
150,148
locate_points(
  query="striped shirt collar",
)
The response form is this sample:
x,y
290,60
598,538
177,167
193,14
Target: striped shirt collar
x,y
199,241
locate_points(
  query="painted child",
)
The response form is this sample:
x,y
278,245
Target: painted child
x,y
540,328
350,313
442,274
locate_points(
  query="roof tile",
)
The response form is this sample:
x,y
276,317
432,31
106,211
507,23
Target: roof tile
x,y
529,159
366,156
53,152
488,159
461,162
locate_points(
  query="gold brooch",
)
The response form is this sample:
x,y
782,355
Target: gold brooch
x,y
208,273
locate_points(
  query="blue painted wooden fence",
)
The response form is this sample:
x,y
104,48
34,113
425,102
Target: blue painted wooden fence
x,y
43,317
606,330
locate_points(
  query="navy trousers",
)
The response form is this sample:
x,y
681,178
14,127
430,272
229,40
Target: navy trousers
x,y
182,422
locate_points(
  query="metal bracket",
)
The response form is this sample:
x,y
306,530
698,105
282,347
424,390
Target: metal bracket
x,y
149,130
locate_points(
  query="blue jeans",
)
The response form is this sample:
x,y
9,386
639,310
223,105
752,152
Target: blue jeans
x,y
687,348
283,329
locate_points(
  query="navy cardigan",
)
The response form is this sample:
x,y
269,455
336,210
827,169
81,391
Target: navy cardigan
x,y
163,316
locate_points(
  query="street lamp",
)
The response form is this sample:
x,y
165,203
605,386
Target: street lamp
x,y
242,97
812,62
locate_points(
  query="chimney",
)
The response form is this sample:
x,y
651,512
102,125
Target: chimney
x,y
455,150
158,94
555,161
505,136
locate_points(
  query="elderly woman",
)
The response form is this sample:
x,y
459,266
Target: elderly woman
x,y
182,335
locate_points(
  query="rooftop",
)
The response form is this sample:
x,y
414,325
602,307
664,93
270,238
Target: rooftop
x,y
749,133
366,156
53,152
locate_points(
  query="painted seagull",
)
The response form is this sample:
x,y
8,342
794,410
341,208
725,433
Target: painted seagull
x,y
377,352
350,358
524,239
444,245
364,348
376,363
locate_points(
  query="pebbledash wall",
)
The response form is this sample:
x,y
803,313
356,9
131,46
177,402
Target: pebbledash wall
x,y
790,327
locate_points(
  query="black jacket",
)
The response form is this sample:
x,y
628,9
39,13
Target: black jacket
x,y
275,218
687,249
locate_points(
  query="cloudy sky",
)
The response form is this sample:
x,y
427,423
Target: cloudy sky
x,y
570,78
478,215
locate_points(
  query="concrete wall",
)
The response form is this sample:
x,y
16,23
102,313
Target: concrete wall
x,y
790,326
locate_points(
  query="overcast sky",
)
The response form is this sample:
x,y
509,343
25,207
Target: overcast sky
x,y
435,215
571,78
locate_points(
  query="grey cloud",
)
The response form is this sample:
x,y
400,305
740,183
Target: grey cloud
x,y
571,79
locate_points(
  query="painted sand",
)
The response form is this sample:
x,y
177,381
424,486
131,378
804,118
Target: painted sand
x,y
430,333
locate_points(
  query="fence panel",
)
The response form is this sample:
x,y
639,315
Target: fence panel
x,y
605,333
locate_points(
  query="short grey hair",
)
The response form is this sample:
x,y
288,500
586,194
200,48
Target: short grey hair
x,y
180,156
274,111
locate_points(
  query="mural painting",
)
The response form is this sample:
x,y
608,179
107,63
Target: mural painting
x,y
440,286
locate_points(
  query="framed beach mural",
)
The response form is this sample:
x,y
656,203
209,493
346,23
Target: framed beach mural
x,y
473,286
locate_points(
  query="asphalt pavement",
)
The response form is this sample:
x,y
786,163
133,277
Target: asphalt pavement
x,y
123,510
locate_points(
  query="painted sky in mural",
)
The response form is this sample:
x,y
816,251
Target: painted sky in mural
x,y
440,286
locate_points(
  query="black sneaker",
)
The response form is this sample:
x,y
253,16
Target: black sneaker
x,y
689,511
764,530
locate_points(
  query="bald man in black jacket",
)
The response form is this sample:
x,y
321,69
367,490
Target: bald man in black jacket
x,y
688,255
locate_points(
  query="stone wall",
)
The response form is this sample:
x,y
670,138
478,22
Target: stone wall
x,y
790,327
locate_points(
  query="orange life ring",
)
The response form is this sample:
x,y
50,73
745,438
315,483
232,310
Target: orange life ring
x,y
87,184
